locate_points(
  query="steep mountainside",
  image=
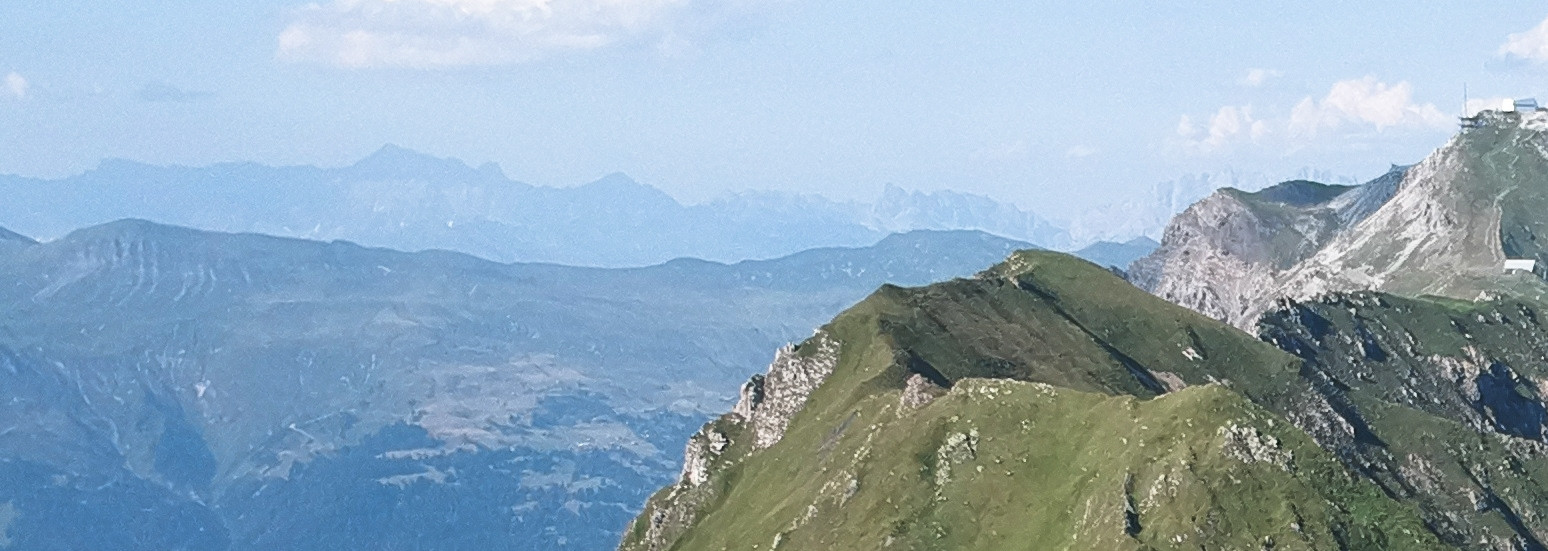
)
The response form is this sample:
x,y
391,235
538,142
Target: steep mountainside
x,y
283,394
1443,227
1455,219
1046,404
1448,400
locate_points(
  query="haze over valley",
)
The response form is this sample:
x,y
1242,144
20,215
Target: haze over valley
x,y
670,275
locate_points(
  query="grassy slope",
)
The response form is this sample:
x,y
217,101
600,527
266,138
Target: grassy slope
x,y
1053,468
1068,448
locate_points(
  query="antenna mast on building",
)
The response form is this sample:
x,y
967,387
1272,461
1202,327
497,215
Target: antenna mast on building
x,y
1468,121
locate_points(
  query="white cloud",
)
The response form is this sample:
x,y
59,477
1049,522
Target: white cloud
x,y
1531,45
1364,102
1350,106
1257,77
443,33
16,84
1229,124
1080,151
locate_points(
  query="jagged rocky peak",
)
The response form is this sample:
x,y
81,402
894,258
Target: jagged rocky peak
x,y
768,402
759,420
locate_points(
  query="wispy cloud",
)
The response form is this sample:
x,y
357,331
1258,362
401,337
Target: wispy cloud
x,y
447,33
1531,45
1258,77
16,85
1350,106
160,92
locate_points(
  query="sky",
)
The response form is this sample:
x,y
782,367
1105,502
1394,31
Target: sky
x,y
1051,105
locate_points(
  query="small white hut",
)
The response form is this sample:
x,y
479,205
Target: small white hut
x,y
1520,266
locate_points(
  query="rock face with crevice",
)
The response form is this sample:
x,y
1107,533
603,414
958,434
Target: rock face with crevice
x,y
768,402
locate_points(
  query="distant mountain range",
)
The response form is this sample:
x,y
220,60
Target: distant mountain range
x,y
169,388
401,199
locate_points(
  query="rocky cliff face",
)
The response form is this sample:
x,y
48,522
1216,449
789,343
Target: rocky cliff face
x,y
768,402
759,420
1219,256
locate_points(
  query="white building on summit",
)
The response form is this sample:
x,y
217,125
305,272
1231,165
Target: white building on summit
x,y
1478,120
1520,265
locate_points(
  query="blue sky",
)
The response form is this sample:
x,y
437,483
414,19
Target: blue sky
x,y
1051,105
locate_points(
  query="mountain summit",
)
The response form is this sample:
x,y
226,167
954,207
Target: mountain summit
x,y
394,162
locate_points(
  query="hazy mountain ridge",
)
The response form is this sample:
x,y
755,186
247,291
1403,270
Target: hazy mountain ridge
x,y
900,210
274,387
1118,255
405,200
401,199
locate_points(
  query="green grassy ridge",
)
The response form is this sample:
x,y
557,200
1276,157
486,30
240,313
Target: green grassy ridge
x,y
1048,471
1042,318
1299,193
